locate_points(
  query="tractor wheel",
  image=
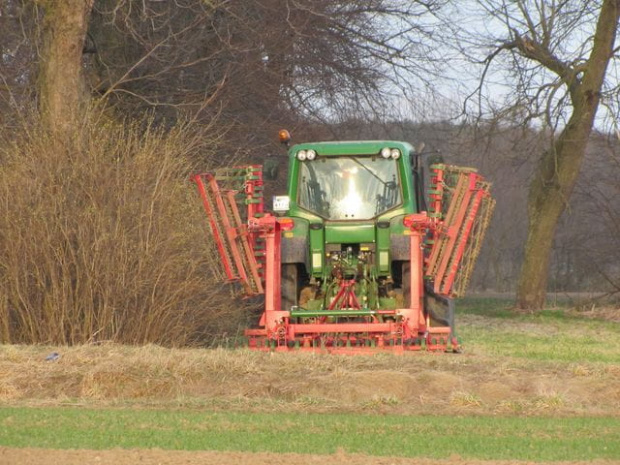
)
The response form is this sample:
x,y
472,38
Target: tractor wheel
x,y
436,306
290,285
406,283
440,308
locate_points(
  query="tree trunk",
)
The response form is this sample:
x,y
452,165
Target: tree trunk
x,y
548,196
559,167
60,85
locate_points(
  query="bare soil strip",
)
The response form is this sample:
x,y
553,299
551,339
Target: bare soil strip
x,y
30,456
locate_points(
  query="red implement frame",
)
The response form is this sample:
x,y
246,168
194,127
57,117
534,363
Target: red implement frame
x,y
410,330
345,298
345,327
230,233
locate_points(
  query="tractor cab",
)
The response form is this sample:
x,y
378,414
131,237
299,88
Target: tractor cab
x,y
348,188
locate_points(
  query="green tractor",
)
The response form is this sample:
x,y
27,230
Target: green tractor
x,y
365,258
347,201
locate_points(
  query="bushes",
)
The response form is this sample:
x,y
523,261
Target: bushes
x,y
102,238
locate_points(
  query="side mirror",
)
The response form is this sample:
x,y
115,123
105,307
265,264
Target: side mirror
x,y
271,167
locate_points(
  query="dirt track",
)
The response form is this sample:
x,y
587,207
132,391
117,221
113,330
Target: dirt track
x,y
161,457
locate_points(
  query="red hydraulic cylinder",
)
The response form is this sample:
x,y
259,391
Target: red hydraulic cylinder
x,y
268,228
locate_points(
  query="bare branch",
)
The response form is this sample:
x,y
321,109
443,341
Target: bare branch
x,y
536,51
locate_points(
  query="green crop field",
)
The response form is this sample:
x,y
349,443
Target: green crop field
x,y
489,438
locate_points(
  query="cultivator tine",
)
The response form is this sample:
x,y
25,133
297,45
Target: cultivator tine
x,y
474,242
470,209
240,235
216,226
451,230
230,234
246,182
464,197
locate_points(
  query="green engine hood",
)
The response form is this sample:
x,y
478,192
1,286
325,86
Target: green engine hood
x,y
350,232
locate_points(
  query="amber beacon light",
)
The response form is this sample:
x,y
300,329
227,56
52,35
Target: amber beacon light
x,y
284,136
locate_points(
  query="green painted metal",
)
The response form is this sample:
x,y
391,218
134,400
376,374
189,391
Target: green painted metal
x,y
330,313
350,231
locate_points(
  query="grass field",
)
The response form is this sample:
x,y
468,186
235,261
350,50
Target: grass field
x,y
540,387
559,335
487,438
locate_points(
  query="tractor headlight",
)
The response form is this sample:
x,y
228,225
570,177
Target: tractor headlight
x,y
386,152
310,155
395,154
301,155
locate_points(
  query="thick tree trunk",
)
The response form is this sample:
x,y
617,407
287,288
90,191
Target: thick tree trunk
x,y
61,90
559,167
548,197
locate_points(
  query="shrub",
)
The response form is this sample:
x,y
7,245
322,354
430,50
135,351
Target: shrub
x,y
102,237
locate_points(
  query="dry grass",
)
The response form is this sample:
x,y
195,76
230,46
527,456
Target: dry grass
x,y
607,313
113,374
465,400
39,456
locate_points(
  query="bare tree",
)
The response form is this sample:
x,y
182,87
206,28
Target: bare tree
x,y
18,21
597,194
262,62
255,64
557,54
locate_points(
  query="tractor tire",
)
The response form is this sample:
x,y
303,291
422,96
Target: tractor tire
x,y
290,285
438,307
406,283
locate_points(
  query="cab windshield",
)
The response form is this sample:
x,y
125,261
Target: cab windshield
x,y
349,188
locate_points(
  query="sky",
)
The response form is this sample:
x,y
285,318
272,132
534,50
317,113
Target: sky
x,y
474,36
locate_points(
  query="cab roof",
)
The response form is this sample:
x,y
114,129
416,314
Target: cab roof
x,y
359,147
